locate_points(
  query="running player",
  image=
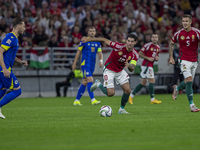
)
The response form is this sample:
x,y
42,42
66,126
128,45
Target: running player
x,y
89,51
8,50
188,38
150,53
122,55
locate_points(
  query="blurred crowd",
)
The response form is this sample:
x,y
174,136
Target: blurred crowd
x,y
62,23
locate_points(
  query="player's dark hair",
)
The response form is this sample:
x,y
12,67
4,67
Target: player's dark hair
x,y
17,21
154,34
133,36
187,16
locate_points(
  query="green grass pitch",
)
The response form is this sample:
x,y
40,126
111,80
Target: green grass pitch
x,y
55,124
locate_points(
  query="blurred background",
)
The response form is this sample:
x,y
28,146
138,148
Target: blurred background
x,y
58,25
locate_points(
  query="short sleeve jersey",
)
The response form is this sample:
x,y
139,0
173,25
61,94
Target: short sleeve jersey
x,y
119,55
188,42
89,51
150,50
10,44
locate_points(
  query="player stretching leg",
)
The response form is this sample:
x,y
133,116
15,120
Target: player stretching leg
x,y
150,53
89,51
122,55
188,38
8,50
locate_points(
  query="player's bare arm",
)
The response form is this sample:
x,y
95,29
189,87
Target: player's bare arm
x,y
130,67
75,60
100,59
22,62
171,49
141,54
85,39
6,72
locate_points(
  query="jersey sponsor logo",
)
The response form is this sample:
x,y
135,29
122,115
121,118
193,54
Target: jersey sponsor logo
x,y
113,43
8,41
92,44
105,77
152,49
96,45
188,37
182,37
129,57
120,53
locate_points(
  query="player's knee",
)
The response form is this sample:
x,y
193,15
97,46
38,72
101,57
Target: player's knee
x,y
144,82
128,92
111,93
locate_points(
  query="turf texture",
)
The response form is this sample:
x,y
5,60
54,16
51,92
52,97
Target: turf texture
x,y
55,124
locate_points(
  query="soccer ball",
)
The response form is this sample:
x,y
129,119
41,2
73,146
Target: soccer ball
x,y
105,111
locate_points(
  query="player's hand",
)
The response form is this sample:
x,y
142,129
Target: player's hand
x,y
171,61
73,66
84,39
151,59
156,58
6,73
126,63
24,63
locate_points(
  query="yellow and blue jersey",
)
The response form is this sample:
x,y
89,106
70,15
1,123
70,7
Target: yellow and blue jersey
x,y
89,51
10,44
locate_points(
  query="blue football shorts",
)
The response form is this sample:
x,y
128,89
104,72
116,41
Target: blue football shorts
x,y
87,71
8,83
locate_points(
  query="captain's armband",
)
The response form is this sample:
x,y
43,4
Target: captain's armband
x,y
133,62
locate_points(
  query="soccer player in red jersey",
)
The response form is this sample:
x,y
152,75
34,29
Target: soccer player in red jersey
x,y
188,38
150,53
122,55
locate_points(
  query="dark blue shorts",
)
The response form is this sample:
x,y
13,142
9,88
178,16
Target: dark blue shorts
x,y
87,71
8,83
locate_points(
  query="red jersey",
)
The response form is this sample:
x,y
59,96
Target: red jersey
x,y
188,42
119,55
150,50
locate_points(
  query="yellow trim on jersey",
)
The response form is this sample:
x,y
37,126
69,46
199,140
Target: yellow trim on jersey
x,y
5,47
83,63
84,74
133,62
9,69
80,48
12,85
14,34
99,49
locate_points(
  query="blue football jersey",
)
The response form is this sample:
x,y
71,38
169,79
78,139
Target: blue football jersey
x,y
89,51
10,44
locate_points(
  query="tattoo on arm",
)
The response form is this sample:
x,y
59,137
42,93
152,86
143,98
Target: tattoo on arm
x,y
171,48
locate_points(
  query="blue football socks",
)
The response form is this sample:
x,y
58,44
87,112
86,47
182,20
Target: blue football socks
x,y
81,91
89,84
9,97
